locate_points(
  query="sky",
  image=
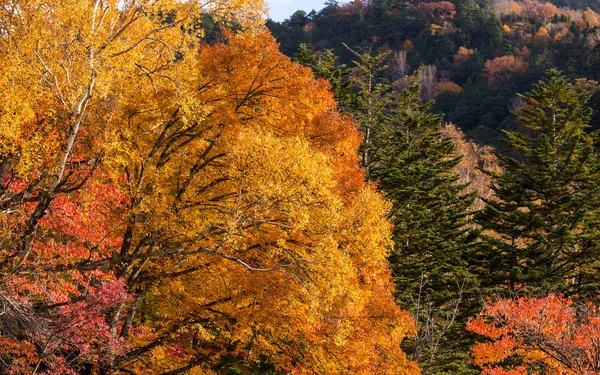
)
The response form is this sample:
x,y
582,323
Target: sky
x,y
282,9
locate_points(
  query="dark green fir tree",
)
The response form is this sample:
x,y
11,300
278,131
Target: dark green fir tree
x,y
414,166
542,229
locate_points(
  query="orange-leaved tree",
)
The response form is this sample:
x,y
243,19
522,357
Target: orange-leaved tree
x,y
265,233
502,69
168,206
550,335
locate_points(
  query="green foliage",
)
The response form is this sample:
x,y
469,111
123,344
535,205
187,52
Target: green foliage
x,y
414,166
542,230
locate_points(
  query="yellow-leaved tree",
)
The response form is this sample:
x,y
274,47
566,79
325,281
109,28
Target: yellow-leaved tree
x,y
167,206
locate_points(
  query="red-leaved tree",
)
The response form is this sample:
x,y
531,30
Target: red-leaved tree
x,y
550,335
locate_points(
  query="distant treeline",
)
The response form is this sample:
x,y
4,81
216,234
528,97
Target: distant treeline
x,y
480,53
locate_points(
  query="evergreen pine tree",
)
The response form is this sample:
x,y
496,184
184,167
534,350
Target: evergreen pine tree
x,y
541,230
414,166
371,99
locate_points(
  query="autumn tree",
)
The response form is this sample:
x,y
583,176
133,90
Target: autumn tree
x,y
449,87
169,206
591,18
501,69
541,36
54,143
555,335
268,200
65,65
544,219
463,56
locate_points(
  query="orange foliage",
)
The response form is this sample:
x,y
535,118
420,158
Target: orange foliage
x,y
214,193
541,36
408,45
463,55
549,10
504,68
585,85
524,52
284,250
526,334
591,18
450,87
514,8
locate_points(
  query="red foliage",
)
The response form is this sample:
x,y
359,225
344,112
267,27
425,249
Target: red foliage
x,y
528,334
83,325
54,307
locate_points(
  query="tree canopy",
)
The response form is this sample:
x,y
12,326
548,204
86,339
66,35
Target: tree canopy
x,y
171,206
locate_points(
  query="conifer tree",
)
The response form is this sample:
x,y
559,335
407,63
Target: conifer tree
x,y
370,102
542,229
414,165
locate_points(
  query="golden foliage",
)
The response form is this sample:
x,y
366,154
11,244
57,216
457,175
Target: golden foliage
x,y
463,56
541,36
503,68
217,183
450,87
591,18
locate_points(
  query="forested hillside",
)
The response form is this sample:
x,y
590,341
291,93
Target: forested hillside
x,y
476,55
